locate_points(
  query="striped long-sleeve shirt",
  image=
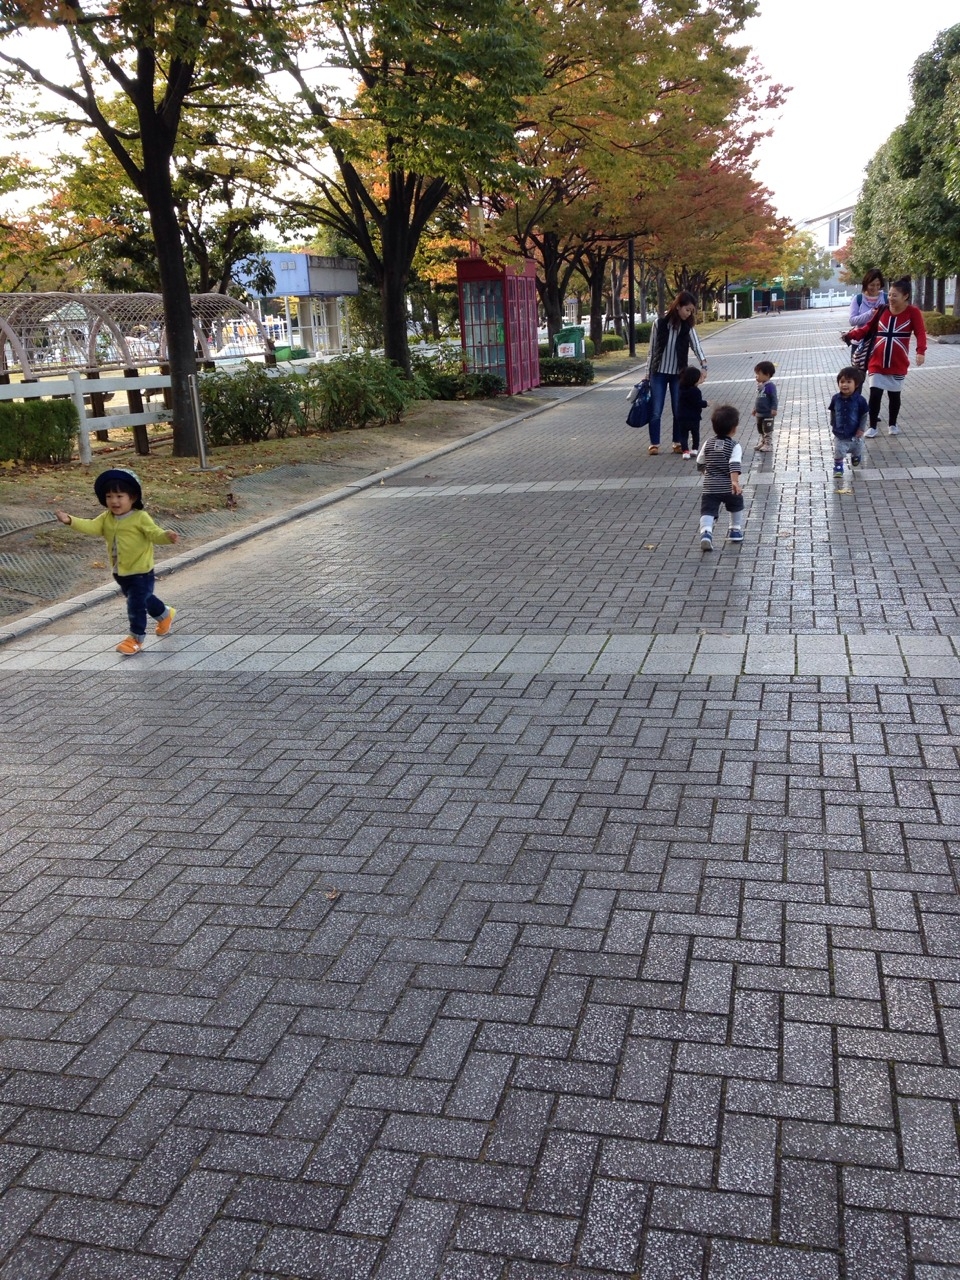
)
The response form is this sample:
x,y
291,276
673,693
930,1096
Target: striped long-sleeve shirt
x,y
668,362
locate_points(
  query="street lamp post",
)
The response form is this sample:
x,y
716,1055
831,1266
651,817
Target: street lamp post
x,y
630,292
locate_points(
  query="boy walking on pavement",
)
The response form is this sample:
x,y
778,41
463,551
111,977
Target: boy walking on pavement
x,y
849,418
130,535
720,460
765,409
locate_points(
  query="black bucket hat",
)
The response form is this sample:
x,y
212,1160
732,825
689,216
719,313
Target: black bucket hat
x,y
118,478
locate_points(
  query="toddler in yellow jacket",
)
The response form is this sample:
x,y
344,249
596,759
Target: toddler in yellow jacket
x,y
130,535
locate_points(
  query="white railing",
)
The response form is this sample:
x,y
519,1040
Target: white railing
x,y
77,387
833,298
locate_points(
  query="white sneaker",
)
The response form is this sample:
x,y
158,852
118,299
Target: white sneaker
x,y
687,455
894,430
870,432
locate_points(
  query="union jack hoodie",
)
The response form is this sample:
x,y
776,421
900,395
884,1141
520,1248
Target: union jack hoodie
x,y
891,351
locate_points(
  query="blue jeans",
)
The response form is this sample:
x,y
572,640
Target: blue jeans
x,y
658,387
138,589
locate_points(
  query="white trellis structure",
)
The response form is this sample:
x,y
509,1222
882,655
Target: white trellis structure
x,y
44,334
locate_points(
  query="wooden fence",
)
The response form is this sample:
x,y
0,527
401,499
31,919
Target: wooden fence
x,y
79,388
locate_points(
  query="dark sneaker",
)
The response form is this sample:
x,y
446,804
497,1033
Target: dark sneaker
x,y
838,469
706,540
855,462
735,535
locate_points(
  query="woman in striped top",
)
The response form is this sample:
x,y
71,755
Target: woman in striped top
x,y
670,344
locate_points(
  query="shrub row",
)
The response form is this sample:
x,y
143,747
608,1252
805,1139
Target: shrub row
x,y
937,325
253,403
563,372
37,430
609,342
342,395
443,377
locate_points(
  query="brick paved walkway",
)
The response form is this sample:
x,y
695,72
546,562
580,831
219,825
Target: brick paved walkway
x,y
484,884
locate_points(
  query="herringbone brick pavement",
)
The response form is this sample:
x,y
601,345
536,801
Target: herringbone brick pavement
x,y
488,969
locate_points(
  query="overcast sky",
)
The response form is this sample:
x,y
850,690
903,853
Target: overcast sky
x,y
849,63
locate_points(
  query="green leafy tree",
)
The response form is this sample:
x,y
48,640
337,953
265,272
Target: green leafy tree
x,y
431,107
219,206
158,55
908,214
802,263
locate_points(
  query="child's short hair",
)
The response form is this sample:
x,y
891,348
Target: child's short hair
x,y
854,375
725,419
765,366
690,376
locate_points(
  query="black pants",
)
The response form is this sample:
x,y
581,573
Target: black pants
x,y
893,405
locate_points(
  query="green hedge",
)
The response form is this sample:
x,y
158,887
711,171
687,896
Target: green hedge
x,y
557,372
643,330
937,325
443,377
612,342
37,430
345,394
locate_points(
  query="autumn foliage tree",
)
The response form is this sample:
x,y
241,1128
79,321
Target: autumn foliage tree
x,y
636,94
158,55
710,221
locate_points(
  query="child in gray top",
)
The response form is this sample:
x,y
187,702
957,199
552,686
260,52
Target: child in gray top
x,y
720,460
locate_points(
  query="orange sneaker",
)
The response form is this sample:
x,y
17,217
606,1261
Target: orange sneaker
x,y
164,625
129,646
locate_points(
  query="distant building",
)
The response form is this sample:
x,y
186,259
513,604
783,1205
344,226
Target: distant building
x,y
306,307
831,231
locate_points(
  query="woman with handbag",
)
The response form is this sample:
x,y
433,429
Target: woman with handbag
x,y
872,295
892,327
672,338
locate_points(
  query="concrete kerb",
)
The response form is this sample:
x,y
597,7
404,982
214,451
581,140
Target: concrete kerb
x,y
76,604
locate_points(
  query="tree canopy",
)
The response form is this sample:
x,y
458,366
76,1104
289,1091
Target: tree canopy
x,y
908,215
428,107
387,126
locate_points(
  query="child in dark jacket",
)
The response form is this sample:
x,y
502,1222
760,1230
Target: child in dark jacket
x,y
690,405
849,417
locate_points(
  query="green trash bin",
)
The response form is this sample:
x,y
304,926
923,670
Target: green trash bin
x,y
569,342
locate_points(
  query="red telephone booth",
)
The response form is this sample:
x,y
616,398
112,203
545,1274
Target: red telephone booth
x,y
498,321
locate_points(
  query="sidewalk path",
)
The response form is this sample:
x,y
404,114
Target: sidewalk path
x,y
484,884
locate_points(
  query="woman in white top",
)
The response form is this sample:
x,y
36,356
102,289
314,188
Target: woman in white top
x,y
671,341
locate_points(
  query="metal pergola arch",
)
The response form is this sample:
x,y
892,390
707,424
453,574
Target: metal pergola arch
x,y
43,334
